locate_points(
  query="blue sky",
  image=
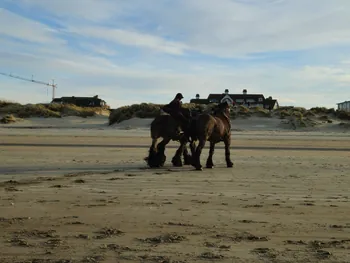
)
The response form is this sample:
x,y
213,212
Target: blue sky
x,y
146,51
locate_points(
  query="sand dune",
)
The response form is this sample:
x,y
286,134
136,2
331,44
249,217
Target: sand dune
x,y
239,124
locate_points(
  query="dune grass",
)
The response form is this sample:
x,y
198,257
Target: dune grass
x,y
144,110
45,110
8,119
302,116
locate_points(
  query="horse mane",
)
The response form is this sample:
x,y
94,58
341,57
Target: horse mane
x,y
219,111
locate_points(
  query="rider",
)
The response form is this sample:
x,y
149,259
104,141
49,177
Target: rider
x,y
174,108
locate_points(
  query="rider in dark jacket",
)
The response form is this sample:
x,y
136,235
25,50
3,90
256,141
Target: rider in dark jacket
x,y
174,108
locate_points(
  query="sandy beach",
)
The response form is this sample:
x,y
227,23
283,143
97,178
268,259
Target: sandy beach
x,y
81,192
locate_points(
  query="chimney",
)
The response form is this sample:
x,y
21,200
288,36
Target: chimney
x,y
244,91
197,96
226,91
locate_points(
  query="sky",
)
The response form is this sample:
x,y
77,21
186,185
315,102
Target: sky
x,y
133,51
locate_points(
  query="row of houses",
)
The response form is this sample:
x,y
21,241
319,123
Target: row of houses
x,y
236,99
246,99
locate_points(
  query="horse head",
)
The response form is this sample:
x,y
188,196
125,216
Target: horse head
x,y
223,110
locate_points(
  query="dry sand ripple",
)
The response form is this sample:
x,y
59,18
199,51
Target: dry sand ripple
x,y
100,204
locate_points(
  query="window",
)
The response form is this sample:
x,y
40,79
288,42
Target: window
x,y
260,99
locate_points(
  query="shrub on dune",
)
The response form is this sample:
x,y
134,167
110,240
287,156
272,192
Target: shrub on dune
x,y
46,110
8,119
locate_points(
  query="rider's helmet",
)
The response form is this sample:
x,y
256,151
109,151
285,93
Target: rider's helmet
x,y
179,96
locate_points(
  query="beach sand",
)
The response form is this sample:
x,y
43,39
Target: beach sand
x,y
84,194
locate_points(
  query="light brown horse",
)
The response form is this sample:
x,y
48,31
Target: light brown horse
x,y
214,128
166,127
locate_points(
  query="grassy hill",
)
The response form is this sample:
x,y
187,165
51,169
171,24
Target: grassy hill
x,y
299,114
13,111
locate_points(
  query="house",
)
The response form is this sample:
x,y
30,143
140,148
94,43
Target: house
x,y
81,101
345,106
239,99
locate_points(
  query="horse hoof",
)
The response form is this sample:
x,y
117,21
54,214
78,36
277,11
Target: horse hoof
x,y
187,162
210,166
229,165
199,168
177,164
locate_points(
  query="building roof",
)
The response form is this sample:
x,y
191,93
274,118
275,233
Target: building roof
x,y
235,96
79,98
218,97
200,101
347,101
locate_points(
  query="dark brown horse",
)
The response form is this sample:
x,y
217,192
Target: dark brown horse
x,y
214,128
166,127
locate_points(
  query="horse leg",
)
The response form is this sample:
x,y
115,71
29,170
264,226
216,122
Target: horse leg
x,y
177,157
182,151
151,159
227,142
193,152
187,157
210,163
197,162
161,158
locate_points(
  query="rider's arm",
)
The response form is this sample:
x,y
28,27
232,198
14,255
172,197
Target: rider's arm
x,y
175,105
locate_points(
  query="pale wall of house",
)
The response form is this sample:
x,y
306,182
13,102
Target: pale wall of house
x,y
252,102
344,106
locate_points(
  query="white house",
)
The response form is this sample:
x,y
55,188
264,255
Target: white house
x,y
345,106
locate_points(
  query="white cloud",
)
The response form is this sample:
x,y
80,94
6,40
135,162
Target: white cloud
x,y
339,75
131,38
99,49
225,28
221,28
94,10
16,26
229,28
82,75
